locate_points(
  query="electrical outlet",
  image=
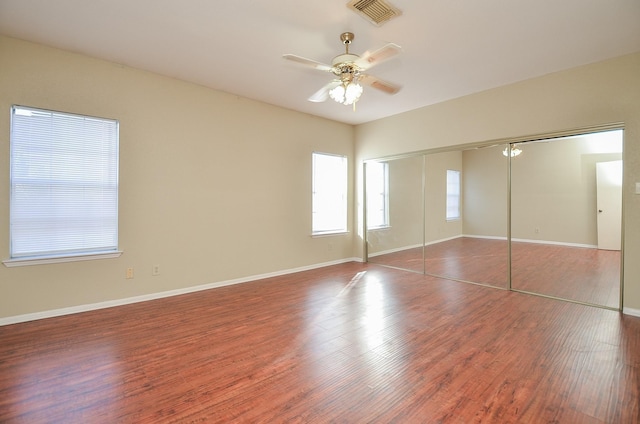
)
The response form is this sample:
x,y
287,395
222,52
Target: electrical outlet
x,y
129,274
155,270
536,230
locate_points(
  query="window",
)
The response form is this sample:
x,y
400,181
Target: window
x,y
377,194
329,197
453,195
64,185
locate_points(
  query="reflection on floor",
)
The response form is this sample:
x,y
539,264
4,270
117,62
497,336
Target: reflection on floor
x,y
574,273
350,343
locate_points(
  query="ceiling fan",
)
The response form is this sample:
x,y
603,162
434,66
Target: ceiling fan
x,y
348,69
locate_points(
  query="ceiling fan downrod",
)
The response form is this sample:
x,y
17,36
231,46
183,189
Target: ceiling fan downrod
x,y
347,38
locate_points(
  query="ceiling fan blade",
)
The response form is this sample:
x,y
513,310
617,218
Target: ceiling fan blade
x,y
323,94
377,83
307,62
370,59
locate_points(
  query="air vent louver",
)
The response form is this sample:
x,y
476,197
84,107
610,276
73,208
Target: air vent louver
x,y
375,11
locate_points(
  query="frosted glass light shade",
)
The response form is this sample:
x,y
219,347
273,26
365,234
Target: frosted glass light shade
x,y
346,95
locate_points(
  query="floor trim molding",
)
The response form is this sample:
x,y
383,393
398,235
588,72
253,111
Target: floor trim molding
x,y
159,295
631,311
415,246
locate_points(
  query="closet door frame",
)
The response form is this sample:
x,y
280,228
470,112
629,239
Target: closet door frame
x,y
507,142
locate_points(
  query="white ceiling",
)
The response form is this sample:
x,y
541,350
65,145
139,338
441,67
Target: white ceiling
x,y
450,47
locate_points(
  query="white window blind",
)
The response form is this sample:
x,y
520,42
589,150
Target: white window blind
x,y
453,195
329,194
64,184
377,194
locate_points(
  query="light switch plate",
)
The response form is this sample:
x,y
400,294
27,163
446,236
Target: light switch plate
x,y
637,188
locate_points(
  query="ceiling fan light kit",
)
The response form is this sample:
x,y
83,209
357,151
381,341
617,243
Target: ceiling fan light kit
x,y
512,151
346,94
348,68
348,91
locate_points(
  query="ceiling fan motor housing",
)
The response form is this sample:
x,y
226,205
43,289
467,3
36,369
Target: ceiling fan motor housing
x,y
346,58
344,67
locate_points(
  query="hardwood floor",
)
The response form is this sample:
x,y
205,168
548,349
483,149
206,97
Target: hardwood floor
x,y
351,343
574,273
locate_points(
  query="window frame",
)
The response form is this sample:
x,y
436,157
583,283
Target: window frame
x,y
342,192
57,173
451,195
382,192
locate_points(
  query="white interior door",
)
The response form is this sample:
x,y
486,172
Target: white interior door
x,y
609,203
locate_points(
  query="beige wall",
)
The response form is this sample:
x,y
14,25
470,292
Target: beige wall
x,y
553,193
406,209
596,94
436,225
212,187
484,184
553,190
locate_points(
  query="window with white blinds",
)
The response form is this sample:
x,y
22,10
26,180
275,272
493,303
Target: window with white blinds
x,y
329,194
453,195
64,184
377,194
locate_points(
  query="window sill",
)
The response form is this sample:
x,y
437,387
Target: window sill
x,y
41,260
381,227
329,233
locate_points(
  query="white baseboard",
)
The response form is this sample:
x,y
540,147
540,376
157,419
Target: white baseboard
x,y
631,311
400,249
557,243
484,237
152,296
397,249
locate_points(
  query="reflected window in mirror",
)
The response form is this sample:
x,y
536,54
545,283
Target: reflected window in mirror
x,y
453,195
377,195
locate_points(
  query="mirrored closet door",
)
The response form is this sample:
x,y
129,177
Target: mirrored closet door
x,y
566,213
542,217
445,214
465,216
395,213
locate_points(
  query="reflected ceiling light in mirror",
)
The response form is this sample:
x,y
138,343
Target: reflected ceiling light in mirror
x,y
513,151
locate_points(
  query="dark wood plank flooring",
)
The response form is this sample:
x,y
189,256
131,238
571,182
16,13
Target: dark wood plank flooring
x,y
352,343
574,273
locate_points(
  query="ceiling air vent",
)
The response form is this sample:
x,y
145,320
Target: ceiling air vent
x,y
375,11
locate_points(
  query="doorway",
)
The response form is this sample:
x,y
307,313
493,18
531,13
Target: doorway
x,y
609,201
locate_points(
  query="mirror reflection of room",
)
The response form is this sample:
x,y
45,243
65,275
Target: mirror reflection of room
x,y
397,239
447,214
566,213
